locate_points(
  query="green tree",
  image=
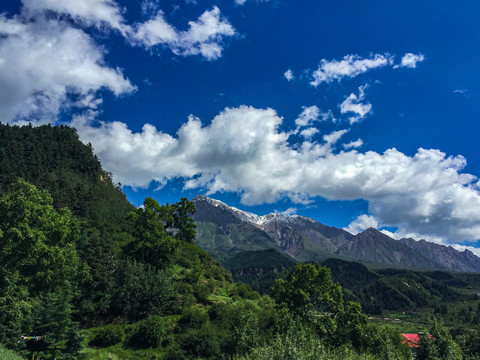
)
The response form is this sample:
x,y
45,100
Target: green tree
x,y
152,244
440,345
184,224
38,260
143,290
308,287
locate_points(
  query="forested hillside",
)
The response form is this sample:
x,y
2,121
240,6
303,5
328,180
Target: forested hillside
x,y
54,159
85,275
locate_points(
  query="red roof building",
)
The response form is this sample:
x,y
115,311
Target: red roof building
x,y
411,339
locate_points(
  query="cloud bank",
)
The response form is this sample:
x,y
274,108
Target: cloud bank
x,y
242,150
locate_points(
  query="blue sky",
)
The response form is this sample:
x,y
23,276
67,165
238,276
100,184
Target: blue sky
x,y
356,114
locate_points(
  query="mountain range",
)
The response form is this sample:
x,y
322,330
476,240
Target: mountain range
x,y
225,231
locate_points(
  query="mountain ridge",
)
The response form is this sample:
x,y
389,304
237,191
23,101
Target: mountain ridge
x,y
306,239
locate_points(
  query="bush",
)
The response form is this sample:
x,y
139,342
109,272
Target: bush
x,y
107,336
192,318
143,290
244,291
200,343
148,333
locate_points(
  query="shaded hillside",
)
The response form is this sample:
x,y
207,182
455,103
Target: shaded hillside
x,y
54,159
259,269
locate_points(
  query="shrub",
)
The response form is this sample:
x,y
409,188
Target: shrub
x,y
244,291
192,318
107,336
200,343
148,333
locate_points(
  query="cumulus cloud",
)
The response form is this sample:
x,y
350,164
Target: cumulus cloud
x,y
333,137
353,104
203,37
307,116
289,75
242,150
362,223
350,66
353,144
410,60
312,113
91,12
308,133
43,63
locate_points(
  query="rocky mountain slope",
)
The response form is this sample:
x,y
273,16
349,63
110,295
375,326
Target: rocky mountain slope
x,y
445,255
226,231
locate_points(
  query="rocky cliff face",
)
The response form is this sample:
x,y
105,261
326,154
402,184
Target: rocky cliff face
x,y
225,231
445,256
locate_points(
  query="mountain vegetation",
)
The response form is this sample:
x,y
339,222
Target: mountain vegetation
x,y
85,275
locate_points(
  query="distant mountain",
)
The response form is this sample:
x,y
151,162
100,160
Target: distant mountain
x,y
445,256
225,231
372,245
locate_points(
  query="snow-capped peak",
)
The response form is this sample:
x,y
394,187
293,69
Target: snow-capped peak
x,y
251,217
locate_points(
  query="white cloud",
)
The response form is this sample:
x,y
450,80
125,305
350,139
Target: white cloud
x,y
290,211
312,113
353,144
242,150
309,132
308,115
90,12
410,60
463,92
362,223
49,64
44,62
353,104
350,66
474,250
203,37
289,75
333,137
